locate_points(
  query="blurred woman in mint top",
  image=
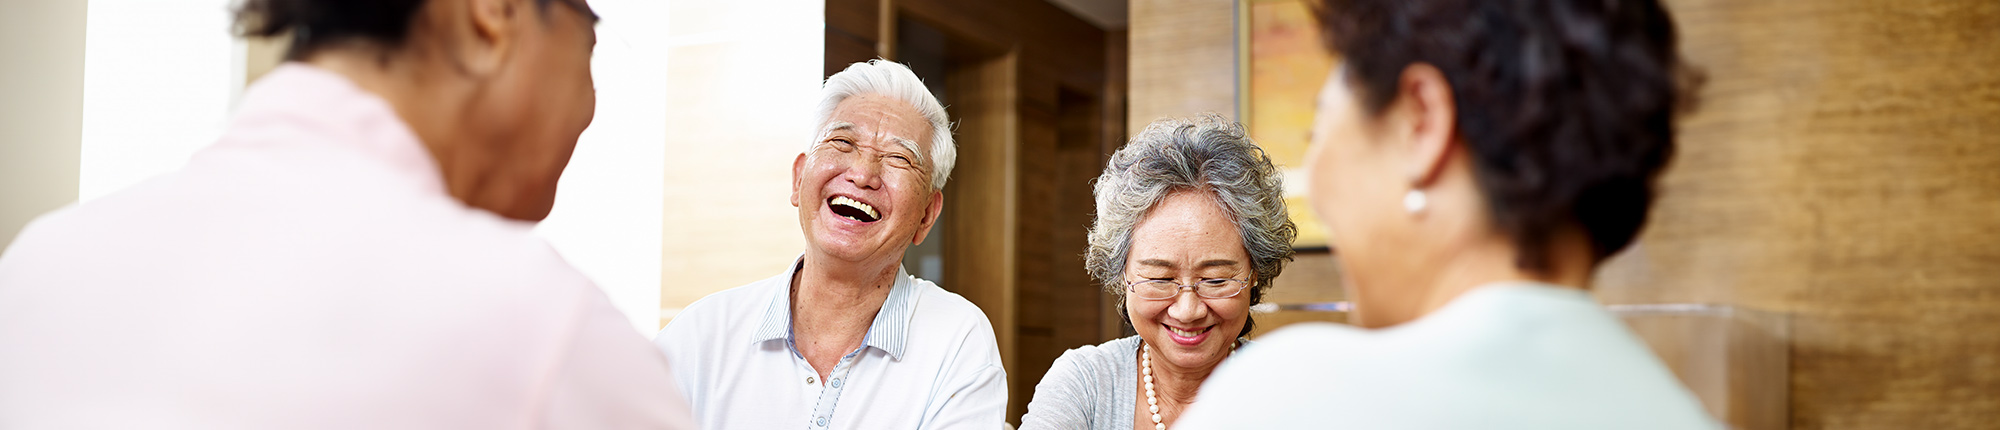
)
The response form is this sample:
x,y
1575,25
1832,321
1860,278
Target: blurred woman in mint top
x,y
1474,162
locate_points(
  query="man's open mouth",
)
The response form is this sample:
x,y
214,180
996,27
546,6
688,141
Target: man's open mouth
x,y
853,209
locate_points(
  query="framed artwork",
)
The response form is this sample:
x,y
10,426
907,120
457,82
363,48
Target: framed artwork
x,y
1282,63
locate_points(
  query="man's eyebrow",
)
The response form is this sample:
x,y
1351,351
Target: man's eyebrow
x,y
910,145
836,126
1156,262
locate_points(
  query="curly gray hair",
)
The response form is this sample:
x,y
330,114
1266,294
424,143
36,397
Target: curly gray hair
x,y
1205,153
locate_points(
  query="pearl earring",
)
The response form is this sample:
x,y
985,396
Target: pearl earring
x,y
1415,201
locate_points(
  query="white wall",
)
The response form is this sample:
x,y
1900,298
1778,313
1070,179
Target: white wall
x,y
607,215
740,91
158,80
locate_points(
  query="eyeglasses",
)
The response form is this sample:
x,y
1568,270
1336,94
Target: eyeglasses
x,y
1207,288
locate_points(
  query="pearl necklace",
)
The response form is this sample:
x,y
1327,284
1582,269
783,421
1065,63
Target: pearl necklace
x,y
1146,366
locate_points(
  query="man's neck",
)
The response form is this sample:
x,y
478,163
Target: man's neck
x,y
833,306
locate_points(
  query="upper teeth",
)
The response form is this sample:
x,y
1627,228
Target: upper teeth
x,y
1184,333
864,207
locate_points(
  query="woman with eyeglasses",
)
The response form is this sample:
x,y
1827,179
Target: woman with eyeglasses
x,y
1191,228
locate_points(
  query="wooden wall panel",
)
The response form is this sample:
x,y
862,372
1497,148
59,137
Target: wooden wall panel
x,y
1843,169
1058,303
982,199
853,33
1049,41
1035,332
1183,59
1111,137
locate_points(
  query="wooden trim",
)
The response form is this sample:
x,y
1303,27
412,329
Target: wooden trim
x,y
982,198
885,37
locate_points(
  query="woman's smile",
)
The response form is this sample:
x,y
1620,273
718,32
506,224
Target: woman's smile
x,y
1189,337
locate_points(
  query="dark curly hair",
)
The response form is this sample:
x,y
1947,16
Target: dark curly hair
x,y
1566,107
315,24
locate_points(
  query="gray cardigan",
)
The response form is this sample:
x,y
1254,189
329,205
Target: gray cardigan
x,y
1087,388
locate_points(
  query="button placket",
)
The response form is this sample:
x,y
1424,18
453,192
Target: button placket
x,y
829,394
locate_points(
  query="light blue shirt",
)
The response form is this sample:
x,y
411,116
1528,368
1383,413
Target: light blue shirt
x,y
1511,355
929,361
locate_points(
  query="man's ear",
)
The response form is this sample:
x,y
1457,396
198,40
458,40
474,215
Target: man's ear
x,y
1432,127
930,217
798,167
489,32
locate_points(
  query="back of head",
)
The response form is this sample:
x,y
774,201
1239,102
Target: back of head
x,y
315,24
1565,107
498,90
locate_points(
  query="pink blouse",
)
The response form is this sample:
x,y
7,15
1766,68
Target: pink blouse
x,y
309,271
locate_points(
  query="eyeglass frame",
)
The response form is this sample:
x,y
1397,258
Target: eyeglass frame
x,y
1178,287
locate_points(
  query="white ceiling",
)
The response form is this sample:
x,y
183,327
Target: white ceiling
x,y
1106,14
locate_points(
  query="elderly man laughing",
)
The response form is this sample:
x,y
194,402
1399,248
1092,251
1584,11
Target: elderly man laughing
x,y
845,338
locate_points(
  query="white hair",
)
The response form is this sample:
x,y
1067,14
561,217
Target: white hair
x,y
892,79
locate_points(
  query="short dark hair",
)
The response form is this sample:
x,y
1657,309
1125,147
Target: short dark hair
x,y
315,24
1566,107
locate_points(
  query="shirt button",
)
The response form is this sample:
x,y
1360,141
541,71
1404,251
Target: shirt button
x,y
836,382
810,380
821,422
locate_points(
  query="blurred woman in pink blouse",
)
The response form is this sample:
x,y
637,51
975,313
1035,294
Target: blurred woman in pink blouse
x,y
354,252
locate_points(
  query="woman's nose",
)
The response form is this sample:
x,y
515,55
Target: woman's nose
x,y
1188,307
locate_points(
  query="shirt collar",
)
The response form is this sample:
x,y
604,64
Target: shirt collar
x,y
889,332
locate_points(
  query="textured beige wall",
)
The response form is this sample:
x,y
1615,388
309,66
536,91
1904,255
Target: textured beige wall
x,y
1841,170
41,109
1183,60
741,83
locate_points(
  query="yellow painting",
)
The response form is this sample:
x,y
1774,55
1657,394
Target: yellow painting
x,y
1286,64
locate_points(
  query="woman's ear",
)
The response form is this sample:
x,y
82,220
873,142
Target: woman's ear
x,y
487,32
1424,98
